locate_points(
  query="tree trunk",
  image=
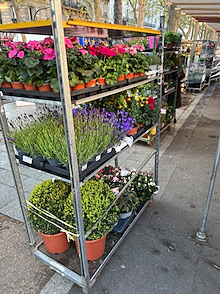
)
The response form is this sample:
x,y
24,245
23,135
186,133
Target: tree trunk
x,y
141,12
118,12
18,16
191,28
173,19
134,8
98,14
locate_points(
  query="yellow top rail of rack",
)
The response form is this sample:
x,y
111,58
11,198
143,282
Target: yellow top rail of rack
x,y
43,27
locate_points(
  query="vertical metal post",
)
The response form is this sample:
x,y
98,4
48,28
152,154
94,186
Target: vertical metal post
x,y
159,97
174,98
201,233
62,71
15,170
116,161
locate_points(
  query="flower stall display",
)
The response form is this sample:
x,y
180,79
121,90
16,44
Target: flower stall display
x,y
35,64
96,197
44,134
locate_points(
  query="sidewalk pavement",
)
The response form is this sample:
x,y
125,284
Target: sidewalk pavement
x,y
160,254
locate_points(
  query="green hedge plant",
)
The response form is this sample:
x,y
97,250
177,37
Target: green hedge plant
x,y
50,196
96,196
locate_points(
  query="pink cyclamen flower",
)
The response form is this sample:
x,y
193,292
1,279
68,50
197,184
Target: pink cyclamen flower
x,y
49,54
12,53
20,54
68,43
83,51
97,176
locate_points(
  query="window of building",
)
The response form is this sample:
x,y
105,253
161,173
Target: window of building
x,y
13,14
0,16
31,12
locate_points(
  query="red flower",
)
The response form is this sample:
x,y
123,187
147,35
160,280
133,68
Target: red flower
x,y
150,100
152,107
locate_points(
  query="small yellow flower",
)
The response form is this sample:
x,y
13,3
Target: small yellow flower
x,y
136,98
142,104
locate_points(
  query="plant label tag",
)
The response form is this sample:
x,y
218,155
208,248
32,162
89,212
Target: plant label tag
x,y
15,151
84,167
98,157
163,111
109,150
27,159
124,172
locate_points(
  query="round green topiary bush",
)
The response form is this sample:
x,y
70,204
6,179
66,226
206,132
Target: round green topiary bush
x,y
96,197
49,196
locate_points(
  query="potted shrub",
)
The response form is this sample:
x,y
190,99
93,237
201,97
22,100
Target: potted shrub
x,y
49,196
96,196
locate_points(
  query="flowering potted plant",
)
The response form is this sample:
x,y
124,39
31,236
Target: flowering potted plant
x,y
49,197
96,197
127,203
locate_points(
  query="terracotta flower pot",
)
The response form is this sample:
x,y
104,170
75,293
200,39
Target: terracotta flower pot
x,y
90,84
29,87
121,78
140,125
6,85
17,85
79,87
94,249
136,75
56,243
129,76
101,81
133,131
44,88
142,74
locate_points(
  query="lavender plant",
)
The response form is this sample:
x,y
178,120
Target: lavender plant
x,y
95,131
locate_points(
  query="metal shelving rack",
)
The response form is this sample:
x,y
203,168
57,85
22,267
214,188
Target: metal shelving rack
x,y
83,280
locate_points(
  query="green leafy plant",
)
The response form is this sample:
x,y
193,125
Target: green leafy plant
x,y
49,196
144,186
172,38
128,201
31,69
96,197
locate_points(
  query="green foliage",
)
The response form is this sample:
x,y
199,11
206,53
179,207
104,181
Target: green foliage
x,y
172,38
96,197
143,185
128,201
51,197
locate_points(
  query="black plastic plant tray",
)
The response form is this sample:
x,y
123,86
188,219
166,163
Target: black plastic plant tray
x,y
141,131
64,172
75,94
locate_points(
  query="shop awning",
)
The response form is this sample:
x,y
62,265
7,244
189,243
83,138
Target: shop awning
x,y
202,10
78,28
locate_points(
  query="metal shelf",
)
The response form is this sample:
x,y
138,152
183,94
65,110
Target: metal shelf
x,y
77,96
170,71
169,92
